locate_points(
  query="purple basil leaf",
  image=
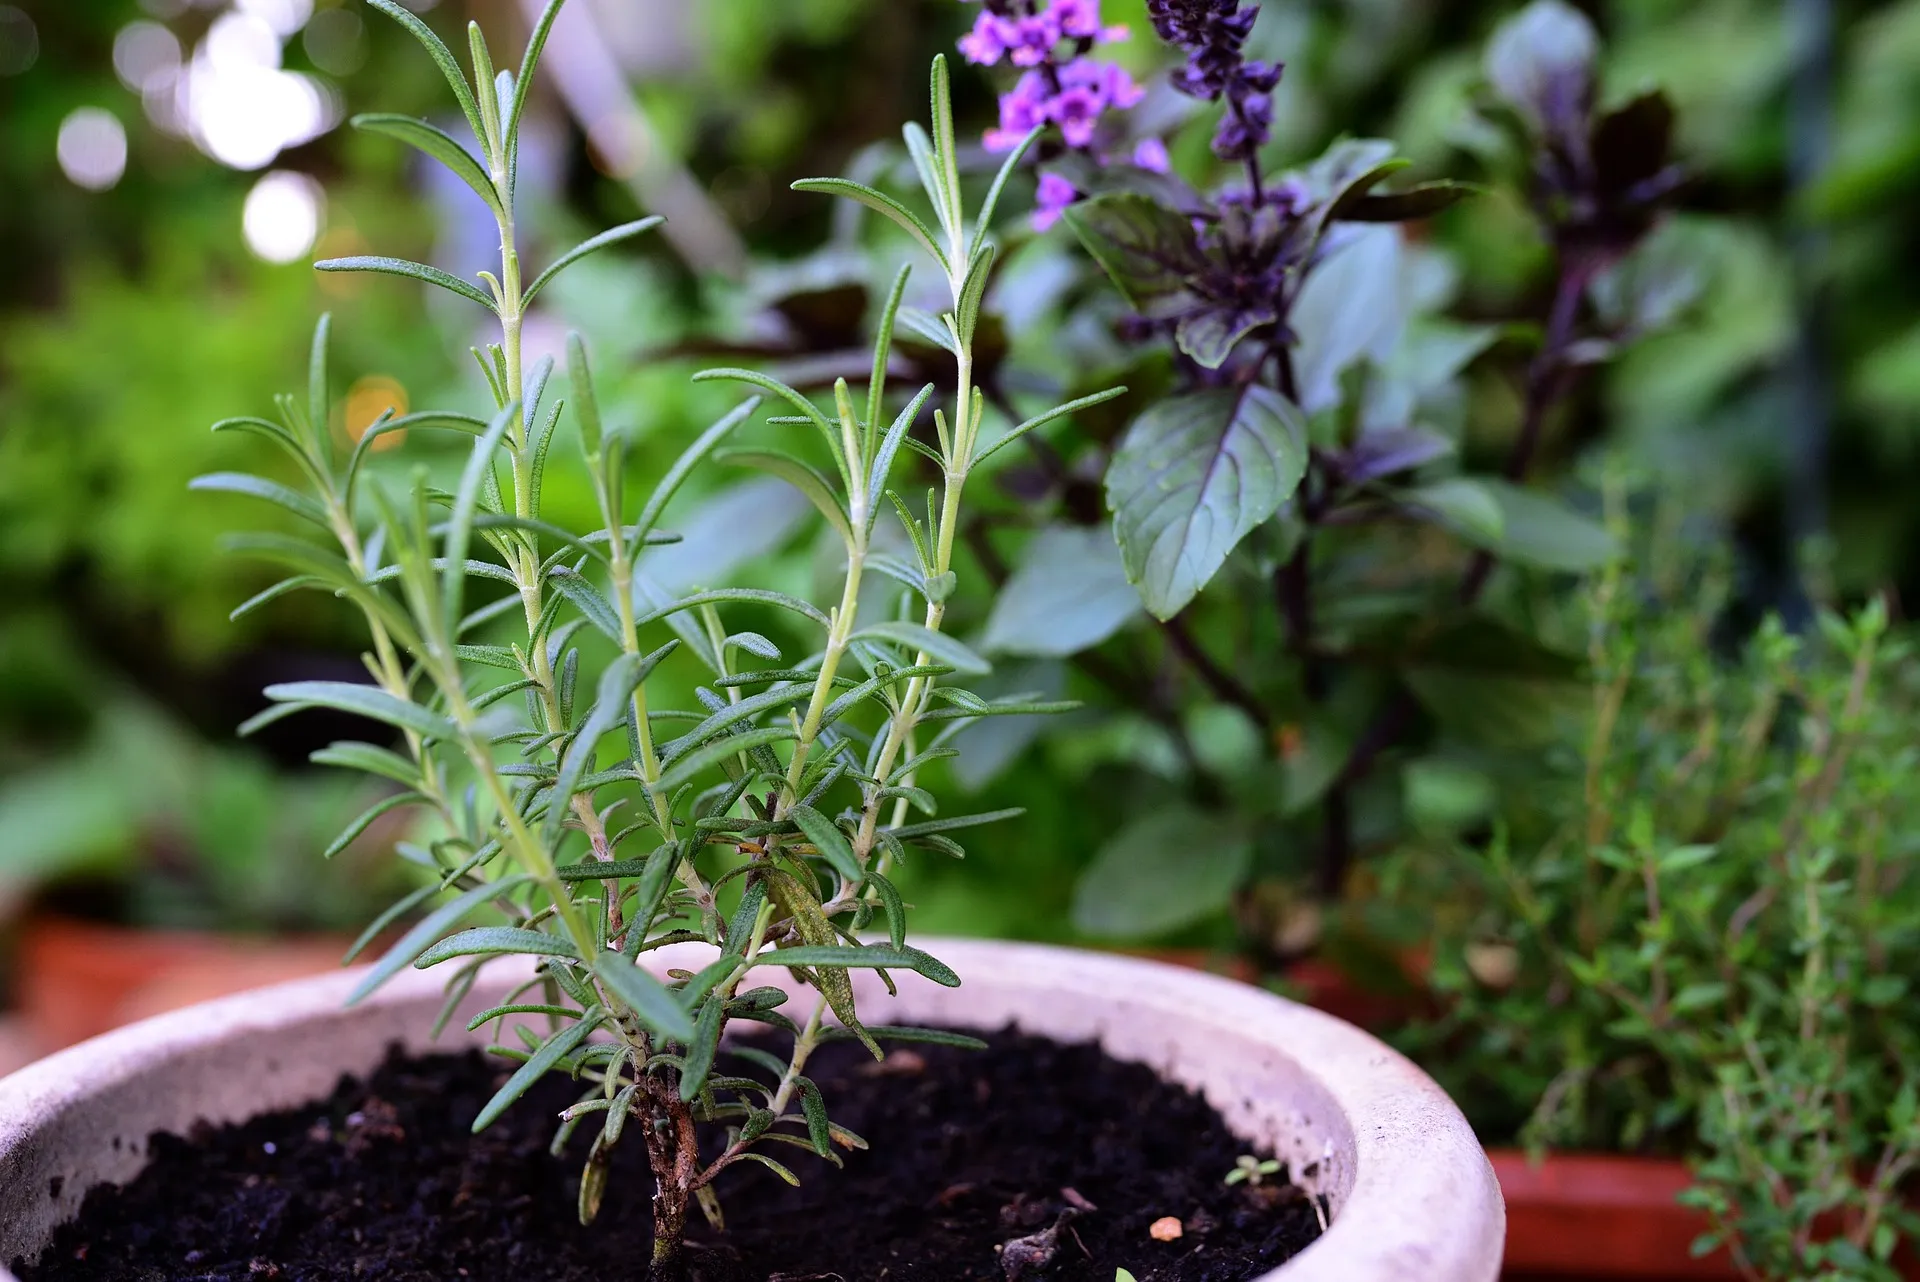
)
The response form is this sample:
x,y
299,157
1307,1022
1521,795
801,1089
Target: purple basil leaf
x,y
1386,451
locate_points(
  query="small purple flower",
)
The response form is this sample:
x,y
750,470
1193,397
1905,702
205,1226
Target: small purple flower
x,y
1021,110
1107,81
1077,112
1033,39
1150,154
1080,19
1122,91
987,43
1261,77
1290,196
1245,128
1053,195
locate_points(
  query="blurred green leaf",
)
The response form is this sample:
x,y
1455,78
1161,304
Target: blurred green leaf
x,y
1165,870
1068,592
1539,529
1464,505
1495,685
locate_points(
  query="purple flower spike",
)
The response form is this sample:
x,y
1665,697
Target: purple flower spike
x,y
1062,86
1150,154
1053,195
1211,33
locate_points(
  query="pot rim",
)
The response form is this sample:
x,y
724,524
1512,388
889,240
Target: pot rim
x,y
1417,1200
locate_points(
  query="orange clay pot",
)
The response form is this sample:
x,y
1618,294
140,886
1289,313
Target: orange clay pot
x,y
78,979
1312,981
1323,983
1577,1215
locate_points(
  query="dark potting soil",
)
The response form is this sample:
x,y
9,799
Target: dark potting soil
x,y
1074,1152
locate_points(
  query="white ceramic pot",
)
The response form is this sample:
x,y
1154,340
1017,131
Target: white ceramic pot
x,y
1413,1197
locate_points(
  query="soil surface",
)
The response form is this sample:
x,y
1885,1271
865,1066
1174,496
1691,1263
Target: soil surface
x,y
1035,1161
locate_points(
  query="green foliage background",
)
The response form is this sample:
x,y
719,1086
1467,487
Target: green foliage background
x,y
131,319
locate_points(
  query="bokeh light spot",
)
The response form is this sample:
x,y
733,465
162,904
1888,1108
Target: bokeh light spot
x,y
285,16
282,215
240,41
92,148
240,106
367,400
146,56
336,41
19,41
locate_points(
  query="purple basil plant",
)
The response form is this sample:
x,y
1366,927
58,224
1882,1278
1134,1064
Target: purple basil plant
x,y
1262,449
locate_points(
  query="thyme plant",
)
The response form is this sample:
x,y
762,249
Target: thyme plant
x,y
1696,934
765,824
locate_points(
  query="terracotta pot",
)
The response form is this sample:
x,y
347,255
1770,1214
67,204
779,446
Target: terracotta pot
x,y
18,1047
1592,1216
1602,1217
78,979
1326,985
1412,1195
1319,982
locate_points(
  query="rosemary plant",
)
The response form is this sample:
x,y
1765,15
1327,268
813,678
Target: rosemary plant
x,y
764,824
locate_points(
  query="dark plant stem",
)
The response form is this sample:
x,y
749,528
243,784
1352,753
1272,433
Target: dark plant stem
x,y
1293,581
1128,681
1256,185
1164,707
1547,384
1224,684
1336,845
1116,677
1383,733
1548,381
1293,594
1810,145
1283,361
